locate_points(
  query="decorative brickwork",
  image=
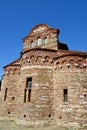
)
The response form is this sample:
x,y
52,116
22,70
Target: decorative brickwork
x,y
47,84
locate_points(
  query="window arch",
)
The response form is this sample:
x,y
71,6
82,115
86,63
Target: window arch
x,y
31,44
39,41
45,40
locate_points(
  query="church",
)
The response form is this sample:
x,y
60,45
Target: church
x,y
47,84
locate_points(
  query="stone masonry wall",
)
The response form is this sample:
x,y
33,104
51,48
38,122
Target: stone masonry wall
x,y
45,85
39,111
47,35
70,73
10,91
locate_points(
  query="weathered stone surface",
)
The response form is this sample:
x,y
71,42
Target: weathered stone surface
x,y
59,83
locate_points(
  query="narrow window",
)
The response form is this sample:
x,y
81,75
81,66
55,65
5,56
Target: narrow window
x,y
32,45
29,86
39,41
5,96
65,95
45,40
29,95
29,83
25,90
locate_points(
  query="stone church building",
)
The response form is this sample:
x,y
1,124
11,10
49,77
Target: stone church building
x,y
47,84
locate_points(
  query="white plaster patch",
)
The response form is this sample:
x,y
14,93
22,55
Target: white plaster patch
x,y
36,66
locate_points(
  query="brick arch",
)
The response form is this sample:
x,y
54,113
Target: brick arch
x,y
58,64
23,60
47,58
72,62
63,61
37,27
15,71
80,63
45,39
7,71
32,58
10,71
26,59
39,58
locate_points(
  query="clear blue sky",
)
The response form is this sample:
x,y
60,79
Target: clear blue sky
x,y
17,17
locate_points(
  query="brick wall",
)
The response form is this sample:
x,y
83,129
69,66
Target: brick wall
x,y
70,73
59,84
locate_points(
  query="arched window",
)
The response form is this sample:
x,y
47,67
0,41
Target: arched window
x,y
45,40
39,41
28,90
32,44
